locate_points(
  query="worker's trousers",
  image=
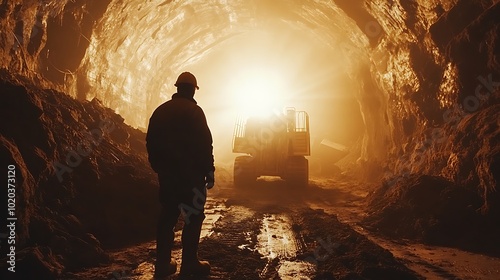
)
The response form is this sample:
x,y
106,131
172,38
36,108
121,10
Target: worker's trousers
x,y
186,197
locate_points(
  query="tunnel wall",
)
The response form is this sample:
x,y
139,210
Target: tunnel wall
x,y
438,68
424,69
46,41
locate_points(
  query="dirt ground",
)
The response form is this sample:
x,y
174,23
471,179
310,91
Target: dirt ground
x,y
269,231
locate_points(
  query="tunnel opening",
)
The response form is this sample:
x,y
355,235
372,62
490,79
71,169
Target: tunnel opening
x,y
253,54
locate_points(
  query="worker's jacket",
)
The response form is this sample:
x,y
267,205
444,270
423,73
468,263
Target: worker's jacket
x,y
178,140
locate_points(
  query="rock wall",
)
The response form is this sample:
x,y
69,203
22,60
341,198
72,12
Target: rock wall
x,y
438,76
83,180
46,40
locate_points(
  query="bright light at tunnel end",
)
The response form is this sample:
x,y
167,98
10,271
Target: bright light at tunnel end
x,y
257,91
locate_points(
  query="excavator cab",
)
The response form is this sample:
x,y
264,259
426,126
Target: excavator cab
x,y
274,145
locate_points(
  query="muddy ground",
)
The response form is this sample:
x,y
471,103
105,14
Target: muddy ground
x,y
270,231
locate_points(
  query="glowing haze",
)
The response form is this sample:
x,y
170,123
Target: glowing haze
x,y
136,54
265,70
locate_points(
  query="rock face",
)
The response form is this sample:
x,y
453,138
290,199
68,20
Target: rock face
x,y
82,186
46,41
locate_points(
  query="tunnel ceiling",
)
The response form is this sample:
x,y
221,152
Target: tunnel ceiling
x,y
134,70
408,62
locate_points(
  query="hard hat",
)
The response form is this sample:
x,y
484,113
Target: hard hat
x,y
186,78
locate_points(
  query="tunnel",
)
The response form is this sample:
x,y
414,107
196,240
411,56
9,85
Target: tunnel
x,y
409,89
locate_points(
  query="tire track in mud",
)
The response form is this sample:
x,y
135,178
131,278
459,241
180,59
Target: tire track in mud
x,y
231,248
246,238
281,245
256,244
339,252
300,243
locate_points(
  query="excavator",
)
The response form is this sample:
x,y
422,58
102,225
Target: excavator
x,y
273,145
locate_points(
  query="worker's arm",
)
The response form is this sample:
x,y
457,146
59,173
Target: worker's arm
x,y
159,148
203,143
152,144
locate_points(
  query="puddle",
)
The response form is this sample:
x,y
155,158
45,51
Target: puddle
x,y
248,242
276,238
278,241
213,212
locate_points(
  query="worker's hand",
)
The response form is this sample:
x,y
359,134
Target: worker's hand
x,y
210,180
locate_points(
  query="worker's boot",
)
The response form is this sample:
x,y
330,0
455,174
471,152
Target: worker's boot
x,y
165,265
194,267
191,265
164,269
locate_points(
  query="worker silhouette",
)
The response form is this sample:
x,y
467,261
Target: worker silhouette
x,y
179,145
